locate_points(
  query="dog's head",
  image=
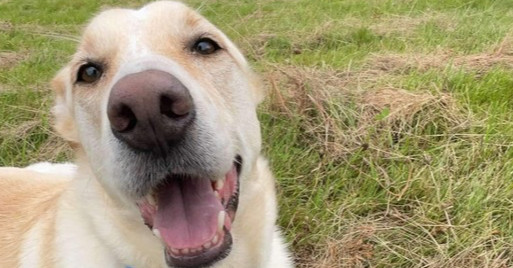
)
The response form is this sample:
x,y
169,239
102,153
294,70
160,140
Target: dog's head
x,y
163,106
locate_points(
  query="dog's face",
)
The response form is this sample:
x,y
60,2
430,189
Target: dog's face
x,y
163,105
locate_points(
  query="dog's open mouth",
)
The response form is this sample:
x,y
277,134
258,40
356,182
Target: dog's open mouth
x,y
192,216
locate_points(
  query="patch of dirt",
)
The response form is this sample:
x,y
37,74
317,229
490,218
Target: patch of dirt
x,y
5,26
9,59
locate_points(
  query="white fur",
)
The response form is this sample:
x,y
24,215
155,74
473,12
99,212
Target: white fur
x,y
30,249
64,169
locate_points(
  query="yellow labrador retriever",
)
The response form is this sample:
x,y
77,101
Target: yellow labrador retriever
x,y
159,107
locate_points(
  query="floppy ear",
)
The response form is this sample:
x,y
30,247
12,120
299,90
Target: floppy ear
x,y
62,112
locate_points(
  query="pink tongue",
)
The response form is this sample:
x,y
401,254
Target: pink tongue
x,y
187,212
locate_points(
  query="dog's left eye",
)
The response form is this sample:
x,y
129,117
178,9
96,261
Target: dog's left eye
x,y
205,46
89,73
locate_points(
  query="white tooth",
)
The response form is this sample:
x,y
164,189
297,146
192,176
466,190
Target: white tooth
x,y
219,184
220,221
207,245
216,193
215,239
185,251
151,200
156,232
194,250
175,251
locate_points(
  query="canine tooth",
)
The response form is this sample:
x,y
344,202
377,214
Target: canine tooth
x,y
175,251
215,239
220,221
219,184
216,193
207,245
151,200
156,232
185,251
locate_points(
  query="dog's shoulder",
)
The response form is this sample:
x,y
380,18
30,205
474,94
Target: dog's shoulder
x,y
34,177
27,195
19,187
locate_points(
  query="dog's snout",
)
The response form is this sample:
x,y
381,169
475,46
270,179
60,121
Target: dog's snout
x,y
150,110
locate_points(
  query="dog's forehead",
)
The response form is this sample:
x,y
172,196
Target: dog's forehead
x,y
115,30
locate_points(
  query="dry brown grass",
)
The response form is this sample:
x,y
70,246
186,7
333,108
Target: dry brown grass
x,y
344,111
353,249
52,149
403,25
499,56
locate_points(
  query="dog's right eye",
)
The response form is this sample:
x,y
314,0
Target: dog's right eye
x,y
205,46
89,73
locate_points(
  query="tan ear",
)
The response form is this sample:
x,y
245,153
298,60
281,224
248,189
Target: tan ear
x,y
62,112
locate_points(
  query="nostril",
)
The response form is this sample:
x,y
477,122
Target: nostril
x,y
124,120
174,109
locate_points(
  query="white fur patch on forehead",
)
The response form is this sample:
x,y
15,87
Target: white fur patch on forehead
x,y
106,33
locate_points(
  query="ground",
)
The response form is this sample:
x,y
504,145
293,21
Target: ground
x,y
388,122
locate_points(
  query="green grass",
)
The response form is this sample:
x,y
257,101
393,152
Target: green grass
x,y
388,125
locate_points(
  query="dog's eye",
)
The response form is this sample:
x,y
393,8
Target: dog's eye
x,y
205,46
89,73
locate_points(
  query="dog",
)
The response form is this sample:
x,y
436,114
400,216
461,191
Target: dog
x,y
159,107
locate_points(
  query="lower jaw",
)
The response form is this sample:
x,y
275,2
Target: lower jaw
x,y
204,259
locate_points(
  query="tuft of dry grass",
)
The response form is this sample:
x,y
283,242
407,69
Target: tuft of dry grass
x,y
501,55
343,117
14,138
403,25
353,249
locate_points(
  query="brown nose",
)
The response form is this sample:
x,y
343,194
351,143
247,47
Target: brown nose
x,y
150,110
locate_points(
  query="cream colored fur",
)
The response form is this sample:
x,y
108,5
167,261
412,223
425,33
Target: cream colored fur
x,y
75,215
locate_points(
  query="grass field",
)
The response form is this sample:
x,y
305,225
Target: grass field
x,y
389,123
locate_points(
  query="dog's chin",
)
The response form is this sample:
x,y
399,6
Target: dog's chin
x,y
192,216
